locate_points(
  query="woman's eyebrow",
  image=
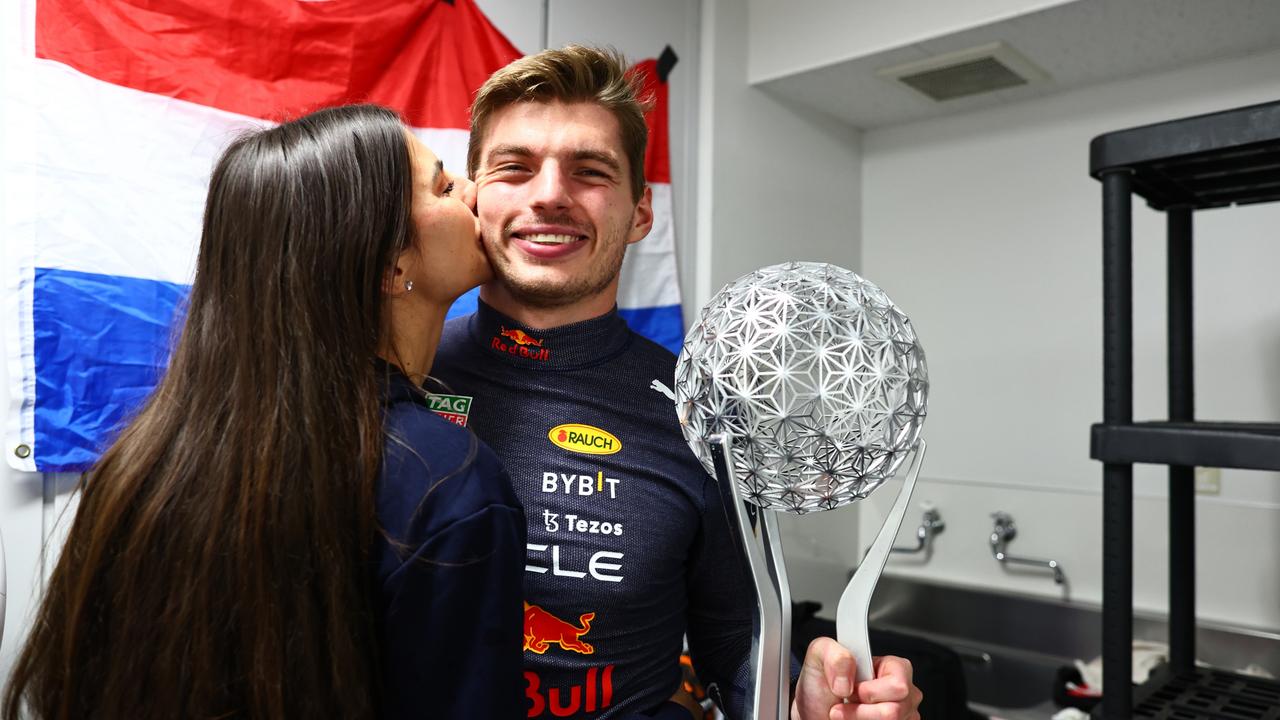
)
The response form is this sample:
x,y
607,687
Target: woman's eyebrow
x,y
435,177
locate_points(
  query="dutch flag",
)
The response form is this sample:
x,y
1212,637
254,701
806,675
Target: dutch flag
x,y
117,111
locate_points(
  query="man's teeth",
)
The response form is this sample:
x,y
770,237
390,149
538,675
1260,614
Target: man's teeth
x,y
551,239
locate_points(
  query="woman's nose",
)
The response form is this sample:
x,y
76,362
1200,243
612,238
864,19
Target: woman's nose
x,y
465,190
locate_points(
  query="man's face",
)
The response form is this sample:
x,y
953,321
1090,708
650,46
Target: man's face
x,y
555,203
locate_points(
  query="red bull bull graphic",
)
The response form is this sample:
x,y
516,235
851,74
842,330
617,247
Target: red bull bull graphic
x,y
519,337
519,343
542,630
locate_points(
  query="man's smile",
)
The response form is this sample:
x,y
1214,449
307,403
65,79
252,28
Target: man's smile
x,y
548,241
544,239
548,246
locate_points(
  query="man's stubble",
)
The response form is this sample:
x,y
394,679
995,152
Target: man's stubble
x,y
541,293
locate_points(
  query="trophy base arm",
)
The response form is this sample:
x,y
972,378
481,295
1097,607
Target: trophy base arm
x,y
769,695
855,602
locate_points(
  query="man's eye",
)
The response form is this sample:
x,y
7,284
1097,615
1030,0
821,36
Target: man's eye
x,y
448,188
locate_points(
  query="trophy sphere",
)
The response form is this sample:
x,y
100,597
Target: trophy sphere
x,y
816,376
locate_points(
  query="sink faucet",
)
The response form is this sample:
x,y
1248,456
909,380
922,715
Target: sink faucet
x,y
931,524
1005,531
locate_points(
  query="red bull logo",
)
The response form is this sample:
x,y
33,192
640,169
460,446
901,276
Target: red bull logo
x,y
519,343
542,630
519,337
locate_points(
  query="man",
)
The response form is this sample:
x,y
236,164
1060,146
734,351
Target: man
x,y
629,545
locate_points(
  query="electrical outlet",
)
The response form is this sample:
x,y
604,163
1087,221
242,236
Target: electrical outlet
x,y
1208,481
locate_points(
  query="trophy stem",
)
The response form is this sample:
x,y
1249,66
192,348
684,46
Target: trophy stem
x,y
777,564
770,695
855,603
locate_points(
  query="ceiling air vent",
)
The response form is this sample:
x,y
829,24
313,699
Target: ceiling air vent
x,y
994,66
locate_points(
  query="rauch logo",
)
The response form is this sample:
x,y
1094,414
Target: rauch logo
x,y
579,438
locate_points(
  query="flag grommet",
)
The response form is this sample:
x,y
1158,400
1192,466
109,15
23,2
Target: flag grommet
x,y
23,451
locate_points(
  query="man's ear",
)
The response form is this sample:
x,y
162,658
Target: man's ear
x,y
642,217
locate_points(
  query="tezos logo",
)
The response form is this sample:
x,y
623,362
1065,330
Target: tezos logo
x,y
579,438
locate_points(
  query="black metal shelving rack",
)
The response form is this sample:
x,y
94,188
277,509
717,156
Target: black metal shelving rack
x,y
1178,167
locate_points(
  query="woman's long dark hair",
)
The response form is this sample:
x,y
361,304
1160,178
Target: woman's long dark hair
x,y
218,562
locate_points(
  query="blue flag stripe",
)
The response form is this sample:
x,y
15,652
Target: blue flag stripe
x,y
101,343
464,305
663,324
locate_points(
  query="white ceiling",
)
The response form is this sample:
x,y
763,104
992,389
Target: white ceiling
x,y
1077,44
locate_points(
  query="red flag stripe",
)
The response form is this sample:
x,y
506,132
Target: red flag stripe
x,y
657,158
274,59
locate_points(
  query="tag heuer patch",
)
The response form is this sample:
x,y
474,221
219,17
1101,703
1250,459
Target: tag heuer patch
x,y
453,408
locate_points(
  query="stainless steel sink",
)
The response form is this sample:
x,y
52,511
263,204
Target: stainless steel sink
x,y
1007,678
1009,647
988,618
1011,644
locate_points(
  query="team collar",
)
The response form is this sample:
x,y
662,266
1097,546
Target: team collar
x,y
559,348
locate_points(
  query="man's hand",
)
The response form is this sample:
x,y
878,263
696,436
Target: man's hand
x,y
827,679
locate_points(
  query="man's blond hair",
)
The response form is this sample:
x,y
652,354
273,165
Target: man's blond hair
x,y
572,74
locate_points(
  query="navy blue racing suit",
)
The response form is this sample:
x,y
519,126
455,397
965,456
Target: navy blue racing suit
x,y
448,568
629,546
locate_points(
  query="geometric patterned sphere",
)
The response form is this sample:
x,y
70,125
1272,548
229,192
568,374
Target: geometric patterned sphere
x,y
817,377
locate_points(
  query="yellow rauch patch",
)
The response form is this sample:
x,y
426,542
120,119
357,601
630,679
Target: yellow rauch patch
x,y
579,438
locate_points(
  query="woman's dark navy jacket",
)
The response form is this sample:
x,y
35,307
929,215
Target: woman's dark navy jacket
x,y
449,568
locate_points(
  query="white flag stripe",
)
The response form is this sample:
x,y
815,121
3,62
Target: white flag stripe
x,y
661,238
649,270
143,147
140,176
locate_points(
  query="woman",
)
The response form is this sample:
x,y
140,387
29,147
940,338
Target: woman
x,y
286,529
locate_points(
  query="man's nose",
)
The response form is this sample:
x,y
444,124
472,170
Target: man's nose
x,y
550,189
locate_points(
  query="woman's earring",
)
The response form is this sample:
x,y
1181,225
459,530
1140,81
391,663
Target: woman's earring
x,y
408,286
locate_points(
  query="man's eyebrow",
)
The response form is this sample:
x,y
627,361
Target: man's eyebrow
x,y
519,150
604,158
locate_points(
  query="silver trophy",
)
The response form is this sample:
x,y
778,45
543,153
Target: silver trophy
x,y
802,387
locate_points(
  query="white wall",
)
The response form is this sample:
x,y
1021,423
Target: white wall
x,y
798,35
779,183
521,21
775,184
21,517
986,229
